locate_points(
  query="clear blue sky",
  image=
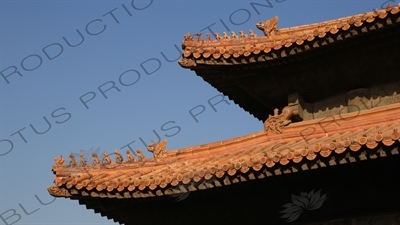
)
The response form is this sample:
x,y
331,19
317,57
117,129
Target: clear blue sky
x,y
123,43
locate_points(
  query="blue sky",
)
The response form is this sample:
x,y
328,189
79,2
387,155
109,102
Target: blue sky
x,y
117,85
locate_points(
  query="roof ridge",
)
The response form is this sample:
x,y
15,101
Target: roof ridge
x,y
268,153
235,46
292,132
294,151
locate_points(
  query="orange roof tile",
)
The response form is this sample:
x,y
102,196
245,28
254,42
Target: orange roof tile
x,y
352,137
230,50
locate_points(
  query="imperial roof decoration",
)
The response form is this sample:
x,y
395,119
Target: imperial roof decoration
x,y
336,84
253,156
335,90
261,73
276,43
276,123
269,27
158,149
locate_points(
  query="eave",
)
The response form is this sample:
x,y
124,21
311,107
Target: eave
x,y
259,73
207,53
349,138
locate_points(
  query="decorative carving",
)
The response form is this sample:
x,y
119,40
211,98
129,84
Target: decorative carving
x,y
234,36
188,37
118,157
106,159
96,159
217,36
72,160
252,34
131,157
199,37
140,155
242,34
54,191
59,161
208,37
158,149
277,122
187,62
269,27
82,159
226,36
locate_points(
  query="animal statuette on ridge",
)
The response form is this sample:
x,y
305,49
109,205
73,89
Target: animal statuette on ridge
x,y
96,159
118,157
217,36
188,37
82,159
131,157
277,122
106,159
59,161
208,37
252,34
269,27
72,160
234,35
242,34
140,155
199,37
226,36
158,149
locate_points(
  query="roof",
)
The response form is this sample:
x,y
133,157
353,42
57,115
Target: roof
x,y
301,146
239,49
244,69
259,73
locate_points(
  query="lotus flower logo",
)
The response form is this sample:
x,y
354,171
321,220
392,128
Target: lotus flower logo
x,y
304,201
180,197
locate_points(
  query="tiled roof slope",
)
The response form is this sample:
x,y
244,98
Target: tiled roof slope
x,y
288,42
302,146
